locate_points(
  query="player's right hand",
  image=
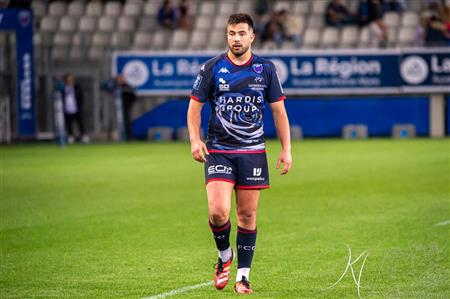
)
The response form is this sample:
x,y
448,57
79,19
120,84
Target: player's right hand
x,y
199,150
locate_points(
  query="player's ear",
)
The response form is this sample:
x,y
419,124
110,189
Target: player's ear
x,y
252,37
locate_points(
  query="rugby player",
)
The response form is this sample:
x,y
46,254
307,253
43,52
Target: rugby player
x,y
238,85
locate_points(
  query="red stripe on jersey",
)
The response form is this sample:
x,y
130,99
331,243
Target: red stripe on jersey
x,y
282,98
245,64
220,179
237,151
196,99
253,187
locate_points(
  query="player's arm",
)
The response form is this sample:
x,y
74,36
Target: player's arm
x,y
283,130
198,148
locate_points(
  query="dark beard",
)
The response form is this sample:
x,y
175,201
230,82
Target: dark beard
x,y
238,54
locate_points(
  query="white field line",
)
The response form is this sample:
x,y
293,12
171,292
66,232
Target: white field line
x,y
446,222
181,290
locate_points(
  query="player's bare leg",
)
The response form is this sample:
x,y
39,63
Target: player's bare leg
x,y
246,205
219,204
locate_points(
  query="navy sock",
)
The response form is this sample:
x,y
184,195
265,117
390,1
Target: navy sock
x,y
221,235
245,243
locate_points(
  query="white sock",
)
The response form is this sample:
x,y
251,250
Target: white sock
x,y
225,255
243,272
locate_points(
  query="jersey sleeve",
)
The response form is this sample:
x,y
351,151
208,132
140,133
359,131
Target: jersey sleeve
x,y
274,91
203,87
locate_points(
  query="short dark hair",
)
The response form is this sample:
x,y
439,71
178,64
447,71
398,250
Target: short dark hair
x,y
240,18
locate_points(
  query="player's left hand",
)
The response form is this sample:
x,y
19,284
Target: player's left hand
x,y
284,158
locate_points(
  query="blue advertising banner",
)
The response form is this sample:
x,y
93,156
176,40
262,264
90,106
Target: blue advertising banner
x,y
318,72
21,21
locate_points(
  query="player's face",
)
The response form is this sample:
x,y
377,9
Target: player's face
x,y
240,38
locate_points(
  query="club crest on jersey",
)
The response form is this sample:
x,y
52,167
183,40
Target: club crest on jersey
x,y
224,70
223,86
258,68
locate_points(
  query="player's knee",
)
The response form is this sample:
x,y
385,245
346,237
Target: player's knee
x,y
247,218
218,217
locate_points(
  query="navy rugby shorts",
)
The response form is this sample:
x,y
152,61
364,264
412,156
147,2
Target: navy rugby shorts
x,y
245,170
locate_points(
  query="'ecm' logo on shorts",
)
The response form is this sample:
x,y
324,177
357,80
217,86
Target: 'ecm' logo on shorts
x,y
219,169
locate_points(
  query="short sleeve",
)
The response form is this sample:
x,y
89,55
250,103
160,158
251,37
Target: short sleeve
x,y
202,89
274,92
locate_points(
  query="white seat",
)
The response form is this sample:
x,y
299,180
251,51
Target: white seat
x,y
363,40
410,19
100,39
49,24
107,24
57,8
246,6
142,40
39,9
198,40
77,39
391,19
330,37
68,24
392,36
311,38
76,54
76,8
315,21
227,7
94,9
147,23
126,24
207,8
203,23
132,9
151,8
159,40
120,40
96,53
59,54
217,40
113,8
220,22
279,5
406,36
349,37
87,24
62,39
180,39
319,7
301,7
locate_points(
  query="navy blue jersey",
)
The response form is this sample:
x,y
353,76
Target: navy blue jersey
x,y
238,95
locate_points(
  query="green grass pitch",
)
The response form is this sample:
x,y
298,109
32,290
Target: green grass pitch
x,y
130,221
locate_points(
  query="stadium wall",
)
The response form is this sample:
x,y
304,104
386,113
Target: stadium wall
x,y
317,117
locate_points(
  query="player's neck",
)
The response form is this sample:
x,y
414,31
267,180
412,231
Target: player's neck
x,y
240,60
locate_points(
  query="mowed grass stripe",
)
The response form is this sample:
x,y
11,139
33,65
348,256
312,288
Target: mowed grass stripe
x,y
129,220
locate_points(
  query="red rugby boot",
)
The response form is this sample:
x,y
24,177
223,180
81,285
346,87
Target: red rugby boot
x,y
222,272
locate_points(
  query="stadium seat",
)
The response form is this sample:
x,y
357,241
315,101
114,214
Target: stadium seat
x,y
113,8
180,39
96,53
403,131
216,40
147,23
330,37
142,40
278,5
391,19
94,9
62,39
49,24
319,7
227,8
160,40
246,6
68,24
107,24
311,38
100,39
363,40
198,40
349,37
220,22
59,54
132,9
151,8
87,24
410,19
406,37
416,5
120,40
39,9
392,36
76,8
269,45
203,23
301,8
126,24
207,8
76,54
57,8
77,39
315,21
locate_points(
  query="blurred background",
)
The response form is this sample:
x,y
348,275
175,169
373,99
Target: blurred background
x,y
89,71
